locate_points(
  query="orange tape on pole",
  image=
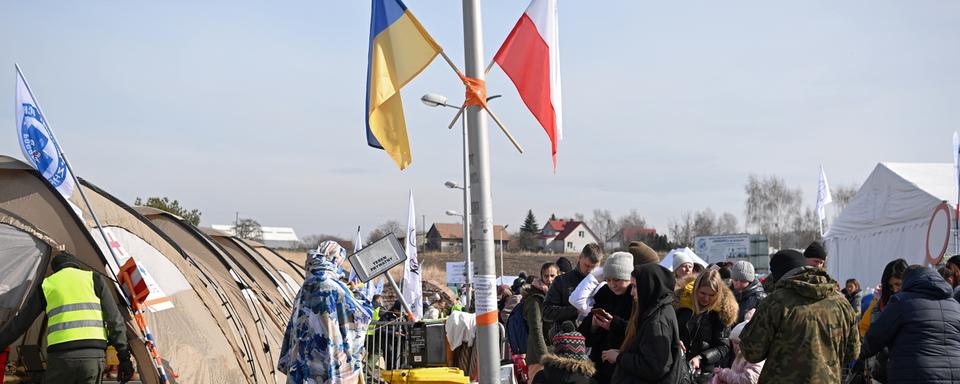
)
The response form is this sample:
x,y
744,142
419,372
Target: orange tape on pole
x,y
487,318
476,92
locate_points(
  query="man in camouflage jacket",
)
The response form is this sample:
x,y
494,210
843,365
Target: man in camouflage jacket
x,y
805,329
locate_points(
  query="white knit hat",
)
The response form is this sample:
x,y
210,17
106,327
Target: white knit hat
x,y
681,258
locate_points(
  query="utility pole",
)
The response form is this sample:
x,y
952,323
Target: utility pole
x,y
488,333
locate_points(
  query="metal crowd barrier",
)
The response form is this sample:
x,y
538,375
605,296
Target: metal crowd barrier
x,y
389,348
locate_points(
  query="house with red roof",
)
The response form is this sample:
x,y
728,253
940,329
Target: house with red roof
x,y
566,236
625,235
447,237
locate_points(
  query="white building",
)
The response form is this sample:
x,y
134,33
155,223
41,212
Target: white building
x,y
273,237
566,236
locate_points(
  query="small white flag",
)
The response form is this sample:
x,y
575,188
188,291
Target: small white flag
x,y
412,285
37,142
823,198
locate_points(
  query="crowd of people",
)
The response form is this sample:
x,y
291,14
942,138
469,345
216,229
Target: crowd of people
x,y
624,318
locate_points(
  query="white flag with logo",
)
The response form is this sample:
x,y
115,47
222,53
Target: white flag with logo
x,y
37,142
412,285
823,198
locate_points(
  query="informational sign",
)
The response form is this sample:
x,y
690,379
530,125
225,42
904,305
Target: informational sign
x,y
938,233
722,247
456,273
486,289
157,300
378,258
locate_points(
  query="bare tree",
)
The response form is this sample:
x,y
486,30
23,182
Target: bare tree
x,y
313,241
681,229
248,229
632,219
727,224
842,196
579,217
603,224
704,223
772,206
804,229
386,228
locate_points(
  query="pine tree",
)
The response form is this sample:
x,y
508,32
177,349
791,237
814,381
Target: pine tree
x,y
553,217
530,223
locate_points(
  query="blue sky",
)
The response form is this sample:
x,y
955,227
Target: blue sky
x,y
258,107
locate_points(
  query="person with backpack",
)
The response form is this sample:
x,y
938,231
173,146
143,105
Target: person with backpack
x,y
526,330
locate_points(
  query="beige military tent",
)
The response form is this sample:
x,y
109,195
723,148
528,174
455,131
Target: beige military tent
x,y
259,320
35,223
196,340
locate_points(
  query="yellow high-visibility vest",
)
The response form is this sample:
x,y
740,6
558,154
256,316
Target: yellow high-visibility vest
x,y
73,308
376,317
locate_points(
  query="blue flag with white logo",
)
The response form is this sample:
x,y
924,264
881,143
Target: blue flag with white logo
x,y
38,143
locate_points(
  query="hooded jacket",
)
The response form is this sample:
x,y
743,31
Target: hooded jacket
x,y
921,328
654,355
324,339
564,370
599,340
748,299
804,330
532,314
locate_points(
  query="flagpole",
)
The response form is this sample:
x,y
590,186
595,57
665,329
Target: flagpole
x,y
127,301
83,196
488,332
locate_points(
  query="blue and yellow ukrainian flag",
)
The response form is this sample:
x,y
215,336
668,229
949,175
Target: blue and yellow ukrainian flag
x,y
399,50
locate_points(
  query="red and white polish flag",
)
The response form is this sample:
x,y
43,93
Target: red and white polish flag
x,y
530,56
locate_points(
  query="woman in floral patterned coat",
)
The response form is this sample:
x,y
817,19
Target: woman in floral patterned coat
x,y
324,339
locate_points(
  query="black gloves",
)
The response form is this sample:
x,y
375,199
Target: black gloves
x,y
125,371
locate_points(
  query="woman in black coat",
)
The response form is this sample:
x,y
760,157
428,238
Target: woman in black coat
x,y
715,311
921,328
650,352
607,323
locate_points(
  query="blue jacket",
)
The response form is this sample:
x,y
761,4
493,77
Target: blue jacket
x,y
921,327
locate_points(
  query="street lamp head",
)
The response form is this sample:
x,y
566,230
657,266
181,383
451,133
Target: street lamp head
x,y
451,184
453,213
434,100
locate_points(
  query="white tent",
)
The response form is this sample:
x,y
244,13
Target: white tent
x,y
888,219
667,261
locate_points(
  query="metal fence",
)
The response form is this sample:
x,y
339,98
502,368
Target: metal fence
x,y
388,347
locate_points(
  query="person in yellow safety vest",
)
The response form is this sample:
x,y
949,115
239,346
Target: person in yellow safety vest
x,y
82,319
377,302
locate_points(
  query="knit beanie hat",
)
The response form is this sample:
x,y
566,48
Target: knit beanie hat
x,y
743,270
642,254
783,261
569,343
815,251
564,265
681,258
618,266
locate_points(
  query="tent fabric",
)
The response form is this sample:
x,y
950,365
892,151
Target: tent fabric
x,y
21,255
667,261
251,255
279,300
246,309
888,219
26,197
